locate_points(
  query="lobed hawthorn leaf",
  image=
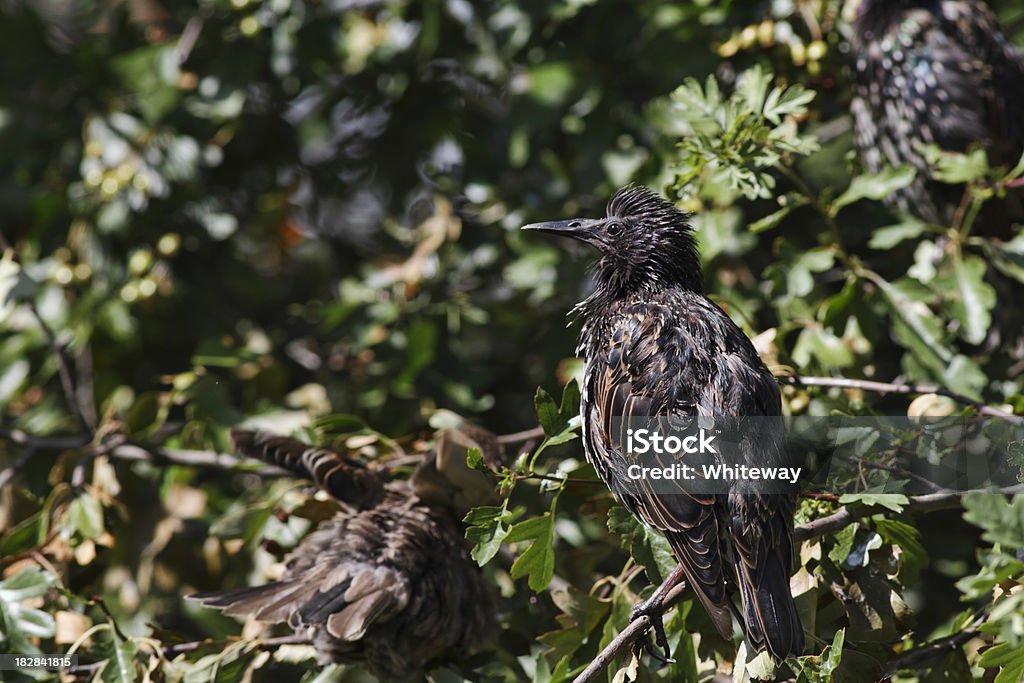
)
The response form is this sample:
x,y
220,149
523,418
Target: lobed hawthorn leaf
x,y
486,527
912,555
955,168
538,560
843,544
874,186
892,501
1002,519
1009,659
556,419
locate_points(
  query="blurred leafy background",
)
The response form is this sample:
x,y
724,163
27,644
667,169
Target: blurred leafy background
x,y
290,210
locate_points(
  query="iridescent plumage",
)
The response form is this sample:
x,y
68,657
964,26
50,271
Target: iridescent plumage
x,y
937,72
655,345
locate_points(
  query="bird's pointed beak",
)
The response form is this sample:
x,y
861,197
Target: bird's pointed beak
x,y
577,228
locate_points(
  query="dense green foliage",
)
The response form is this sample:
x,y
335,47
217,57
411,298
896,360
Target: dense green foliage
x,y
304,214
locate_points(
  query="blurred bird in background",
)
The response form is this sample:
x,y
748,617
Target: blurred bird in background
x,y
655,345
388,581
938,72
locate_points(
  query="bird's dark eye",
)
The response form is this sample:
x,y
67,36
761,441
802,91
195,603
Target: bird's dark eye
x,y
614,229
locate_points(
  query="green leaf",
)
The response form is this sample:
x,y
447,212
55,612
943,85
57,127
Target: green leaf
x,y
486,527
1002,519
547,412
22,537
85,516
773,219
649,548
912,555
843,544
834,655
151,73
1009,659
892,501
916,326
1008,257
555,419
974,298
954,167
888,237
538,560
580,615
28,583
829,350
876,186
475,459
19,624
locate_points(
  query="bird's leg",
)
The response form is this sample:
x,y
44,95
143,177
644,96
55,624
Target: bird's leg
x,y
653,608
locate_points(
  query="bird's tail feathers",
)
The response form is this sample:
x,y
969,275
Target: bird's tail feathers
x,y
345,479
770,620
703,569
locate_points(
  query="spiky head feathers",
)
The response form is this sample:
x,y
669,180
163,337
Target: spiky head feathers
x,y
645,242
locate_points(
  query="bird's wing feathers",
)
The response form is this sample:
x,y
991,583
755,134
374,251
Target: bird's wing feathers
x,y
688,361
645,375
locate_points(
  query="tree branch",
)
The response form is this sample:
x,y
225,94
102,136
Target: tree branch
x,y
930,502
932,650
634,631
192,458
837,520
519,437
894,388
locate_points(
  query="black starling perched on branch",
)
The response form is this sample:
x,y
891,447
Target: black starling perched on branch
x,y
388,582
655,345
938,72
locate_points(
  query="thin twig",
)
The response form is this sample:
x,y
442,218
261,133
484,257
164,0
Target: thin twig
x,y
837,520
934,649
67,385
560,480
927,483
894,388
192,458
179,648
929,502
519,437
86,670
633,632
44,443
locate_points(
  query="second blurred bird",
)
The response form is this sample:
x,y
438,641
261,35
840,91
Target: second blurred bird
x,y
388,581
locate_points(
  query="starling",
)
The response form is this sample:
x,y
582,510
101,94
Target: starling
x,y
655,345
388,581
938,72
